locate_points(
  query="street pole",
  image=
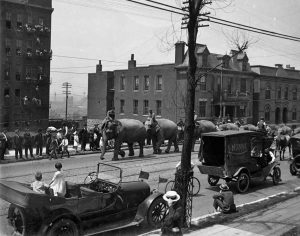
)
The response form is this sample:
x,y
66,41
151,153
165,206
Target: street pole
x,y
66,86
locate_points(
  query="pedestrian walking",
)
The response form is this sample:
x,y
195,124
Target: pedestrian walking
x,y
64,144
172,223
39,143
53,147
83,137
48,142
224,200
76,141
18,140
6,143
28,143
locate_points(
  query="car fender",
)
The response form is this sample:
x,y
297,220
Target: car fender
x,y
59,214
142,210
241,169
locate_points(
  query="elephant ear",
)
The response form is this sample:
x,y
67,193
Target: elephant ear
x,y
119,126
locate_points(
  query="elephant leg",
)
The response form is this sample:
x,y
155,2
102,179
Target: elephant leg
x,y
169,146
160,140
116,150
131,151
154,143
141,149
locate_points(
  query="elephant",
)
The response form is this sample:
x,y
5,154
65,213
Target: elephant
x,y
123,130
160,130
249,127
201,127
228,126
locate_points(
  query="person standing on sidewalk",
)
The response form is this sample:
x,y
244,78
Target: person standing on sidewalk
x,y
48,143
84,137
224,201
28,143
53,147
64,144
76,141
39,143
2,146
18,144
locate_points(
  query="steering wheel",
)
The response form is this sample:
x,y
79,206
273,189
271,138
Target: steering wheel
x,y
91,178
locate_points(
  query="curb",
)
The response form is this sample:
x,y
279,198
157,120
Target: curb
x,y
243,209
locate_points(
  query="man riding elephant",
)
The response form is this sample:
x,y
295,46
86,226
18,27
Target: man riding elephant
x,y
123,130
160,130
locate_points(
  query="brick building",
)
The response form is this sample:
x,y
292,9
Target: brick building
x,y
25,51
227,87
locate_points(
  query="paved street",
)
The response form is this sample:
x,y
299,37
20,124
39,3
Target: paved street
x,y
76,169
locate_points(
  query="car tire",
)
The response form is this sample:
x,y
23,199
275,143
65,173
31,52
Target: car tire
x,y
293,169
157,212
16,218
243,182
212,180
63,226
276,177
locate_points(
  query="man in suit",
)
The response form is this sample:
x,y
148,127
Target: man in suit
x,y
28,144
224,201
18,140
39,143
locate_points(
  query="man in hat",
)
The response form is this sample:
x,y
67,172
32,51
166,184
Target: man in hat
x,y
172,223
224,200
28,143
39,143
261,125
18,144
83,137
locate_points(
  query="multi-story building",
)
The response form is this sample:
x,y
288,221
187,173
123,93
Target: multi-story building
x,y
227,87
25,52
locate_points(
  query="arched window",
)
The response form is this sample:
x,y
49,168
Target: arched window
x,y
267,112
279,93
294,114
286,93
268,92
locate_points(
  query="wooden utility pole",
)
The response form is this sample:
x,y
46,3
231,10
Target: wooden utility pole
x,y
66,86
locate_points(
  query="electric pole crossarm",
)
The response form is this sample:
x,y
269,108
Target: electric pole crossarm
x,y
66,86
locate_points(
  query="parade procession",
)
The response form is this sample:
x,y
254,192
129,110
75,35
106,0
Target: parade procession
x,y
202,140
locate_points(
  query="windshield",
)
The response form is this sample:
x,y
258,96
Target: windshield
x,y
109,173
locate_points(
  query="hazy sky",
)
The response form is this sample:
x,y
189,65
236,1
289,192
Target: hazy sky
x,y
111,30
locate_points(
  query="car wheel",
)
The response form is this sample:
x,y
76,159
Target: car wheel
x,y
276,175
293,168
212,180
243,182
157,212
63,226
16,218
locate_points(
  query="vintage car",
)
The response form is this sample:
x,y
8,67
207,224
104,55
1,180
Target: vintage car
x,y
295,159
229,155
101,203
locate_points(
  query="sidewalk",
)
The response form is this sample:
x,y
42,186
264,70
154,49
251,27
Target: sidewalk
x,y
274,215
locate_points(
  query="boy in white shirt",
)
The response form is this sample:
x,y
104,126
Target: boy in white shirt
x,y
64,144
38,185
58,183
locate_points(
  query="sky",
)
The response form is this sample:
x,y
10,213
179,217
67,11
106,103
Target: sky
x,y
86,31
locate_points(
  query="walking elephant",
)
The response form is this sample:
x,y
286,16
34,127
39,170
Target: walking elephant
x,y
201,127
123,131
160,130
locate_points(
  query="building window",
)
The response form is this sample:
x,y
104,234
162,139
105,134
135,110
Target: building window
x,y
6,93
28,73
279,93
122,83
136,83
19,47
202,108
267,112
202,83
19,22
295,94
7,72
244,66
146,107
8,20
41,21
204,60
229,85
268,92
135,107
159,83
122,105
18,72
17,96
7,47
243,85
286,93
294,114
146,83
158,107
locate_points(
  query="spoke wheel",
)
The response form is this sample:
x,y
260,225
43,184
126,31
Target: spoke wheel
x,y
17,219
157,212
170,186
92,176
212,180
293,168
63,227
276,177
194,186
243,182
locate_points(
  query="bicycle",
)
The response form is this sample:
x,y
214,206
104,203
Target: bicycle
x,y
193,188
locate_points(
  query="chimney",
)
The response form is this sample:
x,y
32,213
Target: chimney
x,y
288,66
99,67
132,62
278,65
179,52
